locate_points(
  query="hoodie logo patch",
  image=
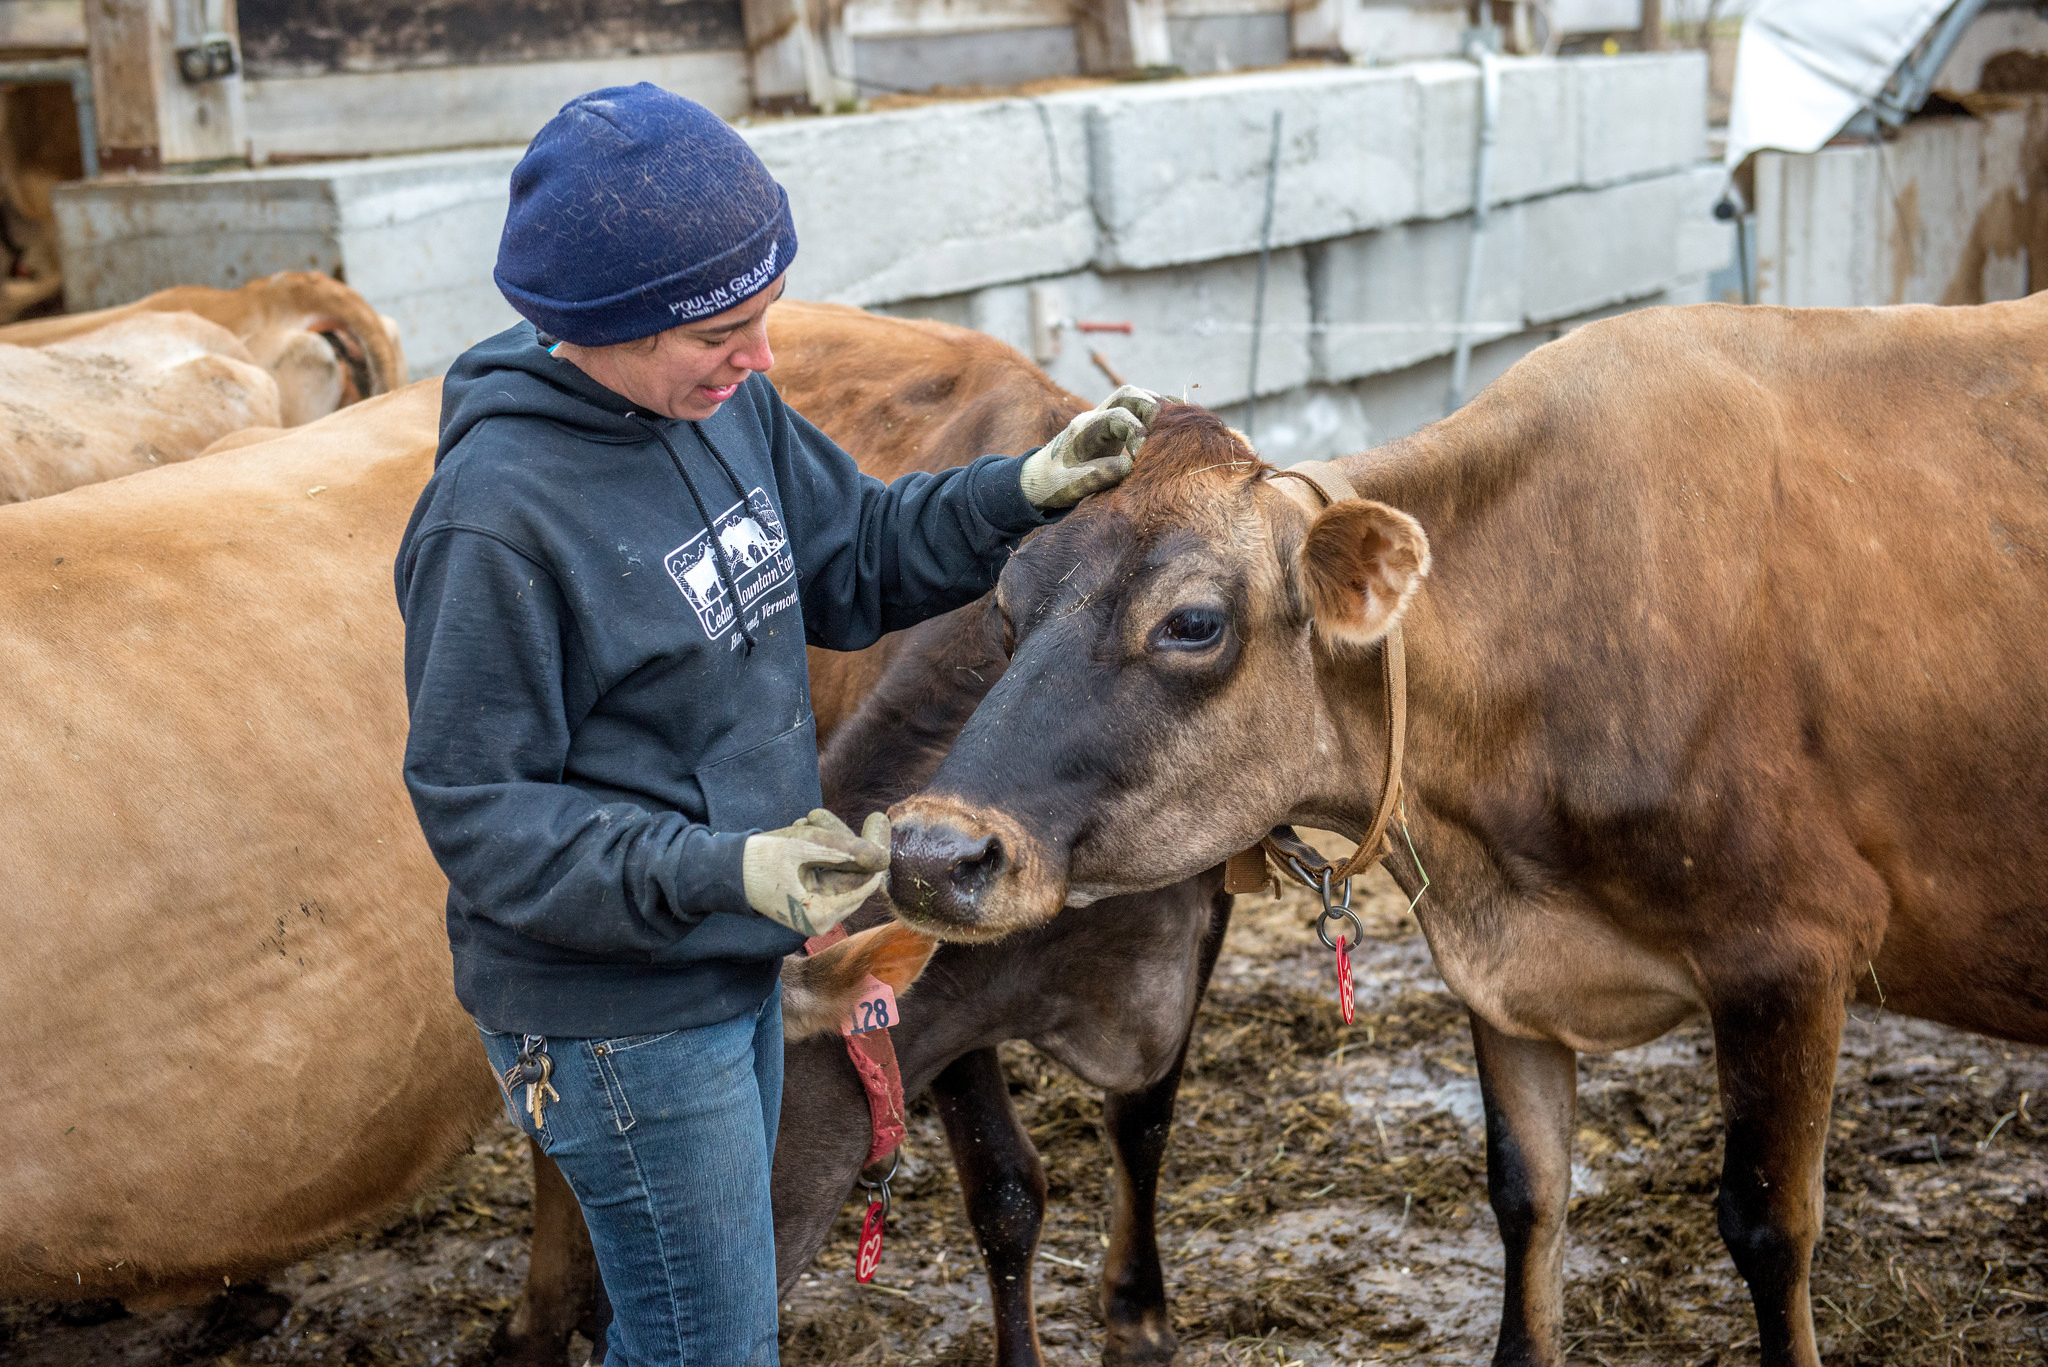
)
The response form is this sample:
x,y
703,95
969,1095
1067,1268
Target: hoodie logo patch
x,y
756,548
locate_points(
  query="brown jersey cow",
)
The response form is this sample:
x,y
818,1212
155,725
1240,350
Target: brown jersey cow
x,y
135,393
1727,644
227,956
320,340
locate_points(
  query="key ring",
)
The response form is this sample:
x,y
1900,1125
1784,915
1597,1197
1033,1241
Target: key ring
x,y
882,1184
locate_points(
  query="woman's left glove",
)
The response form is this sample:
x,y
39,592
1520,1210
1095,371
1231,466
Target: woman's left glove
x,y
814,874
1094,453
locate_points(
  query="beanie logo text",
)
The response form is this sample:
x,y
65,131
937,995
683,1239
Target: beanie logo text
x,y
740,288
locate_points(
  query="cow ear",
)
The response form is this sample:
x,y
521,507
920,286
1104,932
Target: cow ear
x,y
819,991
1359,565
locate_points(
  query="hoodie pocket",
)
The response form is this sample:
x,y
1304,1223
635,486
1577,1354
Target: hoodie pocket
x,y
766,785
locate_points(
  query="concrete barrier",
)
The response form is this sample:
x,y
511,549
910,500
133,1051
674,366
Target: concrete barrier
x,y
417,235
1641,114
933,200
1129,202
1191,326
1180,167
1536,150
1386,300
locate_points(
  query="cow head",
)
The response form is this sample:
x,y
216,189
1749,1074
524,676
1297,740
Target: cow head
x,y
1181,656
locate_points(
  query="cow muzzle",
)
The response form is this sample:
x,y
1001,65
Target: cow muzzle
x,y
960,874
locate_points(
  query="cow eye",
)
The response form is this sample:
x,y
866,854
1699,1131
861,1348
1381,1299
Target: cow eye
x,y
1188,629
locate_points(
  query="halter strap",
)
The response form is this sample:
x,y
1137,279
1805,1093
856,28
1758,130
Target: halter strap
x,y
1246,871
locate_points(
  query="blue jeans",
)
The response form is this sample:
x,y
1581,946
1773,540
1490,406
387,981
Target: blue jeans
x,y
667,1140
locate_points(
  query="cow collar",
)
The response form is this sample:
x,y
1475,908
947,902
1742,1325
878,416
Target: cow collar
x,y
1246,871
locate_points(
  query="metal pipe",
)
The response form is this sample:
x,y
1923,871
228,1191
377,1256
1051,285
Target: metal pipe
x,y
76,73
1915,77
1482,184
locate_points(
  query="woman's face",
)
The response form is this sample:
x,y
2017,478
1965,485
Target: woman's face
x,y
686,372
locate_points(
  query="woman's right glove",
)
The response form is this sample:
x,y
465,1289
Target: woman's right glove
x,y
1093,453
814,874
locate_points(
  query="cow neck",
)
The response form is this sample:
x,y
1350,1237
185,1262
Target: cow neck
x,y
725,574
1331,485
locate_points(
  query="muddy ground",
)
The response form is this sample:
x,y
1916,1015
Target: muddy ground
x,y
1324,1202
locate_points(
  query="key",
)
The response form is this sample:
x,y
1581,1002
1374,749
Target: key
x,y
534,1069
539,1092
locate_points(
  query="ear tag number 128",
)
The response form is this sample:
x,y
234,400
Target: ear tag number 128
x,y
876,1009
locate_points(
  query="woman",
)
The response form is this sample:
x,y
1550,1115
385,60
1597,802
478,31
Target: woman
x,y
607,588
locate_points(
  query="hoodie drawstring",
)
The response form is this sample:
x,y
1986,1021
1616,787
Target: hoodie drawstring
x,y
725,574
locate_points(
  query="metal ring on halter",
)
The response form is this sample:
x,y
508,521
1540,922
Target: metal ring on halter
x,y
1333,910
882,1184
1335,913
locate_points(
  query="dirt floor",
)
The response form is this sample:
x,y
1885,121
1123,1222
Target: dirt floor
x,y
1324,1202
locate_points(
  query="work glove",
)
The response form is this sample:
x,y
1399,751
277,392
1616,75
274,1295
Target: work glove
x,y
1094,453
814,874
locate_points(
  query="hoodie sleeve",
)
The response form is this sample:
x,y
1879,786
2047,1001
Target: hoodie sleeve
x,y
873,558
489,682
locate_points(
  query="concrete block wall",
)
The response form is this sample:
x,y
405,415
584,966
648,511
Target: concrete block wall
x,y
1137,203
417,235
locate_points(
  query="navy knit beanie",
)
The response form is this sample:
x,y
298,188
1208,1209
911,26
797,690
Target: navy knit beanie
x,y
635,211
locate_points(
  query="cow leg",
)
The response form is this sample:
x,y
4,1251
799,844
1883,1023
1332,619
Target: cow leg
x,y
562,1288
1004,1184
1133,1282
1134,1311
1529,1088
1775,1045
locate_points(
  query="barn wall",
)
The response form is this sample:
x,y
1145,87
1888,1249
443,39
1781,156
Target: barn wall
x,y
1946,213
1138,204
318,37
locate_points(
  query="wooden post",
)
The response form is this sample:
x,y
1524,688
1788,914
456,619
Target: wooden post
x,y
149,115
1119,36
1653,25
794,46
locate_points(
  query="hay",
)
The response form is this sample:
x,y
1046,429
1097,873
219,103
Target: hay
x,y
1323,1202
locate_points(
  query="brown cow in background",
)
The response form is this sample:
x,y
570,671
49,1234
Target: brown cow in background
x,y
1727,695
90,396
320,340
133,394
226,959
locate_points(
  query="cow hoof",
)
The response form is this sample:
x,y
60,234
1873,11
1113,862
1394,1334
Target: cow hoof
x,y
237,1316
1147,1343
511,1348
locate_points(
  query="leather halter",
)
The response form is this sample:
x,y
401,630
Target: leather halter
x,y
1246,871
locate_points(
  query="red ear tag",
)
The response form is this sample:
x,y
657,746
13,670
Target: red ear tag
x,y
876,1009
1345,1001
869,1256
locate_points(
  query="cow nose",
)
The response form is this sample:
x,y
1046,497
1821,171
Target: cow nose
x,y
939,872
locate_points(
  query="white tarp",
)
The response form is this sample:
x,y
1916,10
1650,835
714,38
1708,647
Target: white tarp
x,y
1804,67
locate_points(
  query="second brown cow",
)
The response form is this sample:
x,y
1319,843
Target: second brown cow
x,y
1727,690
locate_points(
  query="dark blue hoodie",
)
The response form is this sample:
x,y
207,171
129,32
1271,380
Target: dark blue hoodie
x,y
593,737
